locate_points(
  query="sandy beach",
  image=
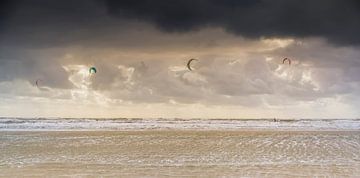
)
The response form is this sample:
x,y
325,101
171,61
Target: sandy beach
x,y
179,153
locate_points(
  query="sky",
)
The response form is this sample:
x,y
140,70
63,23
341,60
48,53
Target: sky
x,y
140,50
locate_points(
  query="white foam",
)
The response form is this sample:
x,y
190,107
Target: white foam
x,y
181,124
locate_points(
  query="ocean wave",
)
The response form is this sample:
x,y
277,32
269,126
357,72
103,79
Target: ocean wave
x,y
176,124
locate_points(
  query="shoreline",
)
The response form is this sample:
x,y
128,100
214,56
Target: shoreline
x,y
181,131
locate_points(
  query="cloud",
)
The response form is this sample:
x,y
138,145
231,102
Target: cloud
x,y
32,66
51,23
237,72
252,78
335,20
6,7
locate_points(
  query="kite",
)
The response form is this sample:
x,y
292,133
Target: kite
x,y
37,82
286,59
189,64
92,70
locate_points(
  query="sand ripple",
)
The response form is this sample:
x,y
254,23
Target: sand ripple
x,y
177,153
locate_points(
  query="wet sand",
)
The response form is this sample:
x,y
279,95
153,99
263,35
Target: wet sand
x,y
179,153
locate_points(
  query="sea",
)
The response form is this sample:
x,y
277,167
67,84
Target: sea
x,y
140,147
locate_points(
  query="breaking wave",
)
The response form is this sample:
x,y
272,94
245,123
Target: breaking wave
x,y
177,124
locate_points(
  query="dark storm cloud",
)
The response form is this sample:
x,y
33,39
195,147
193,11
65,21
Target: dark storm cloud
x,y
335,20
50,22
6,7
